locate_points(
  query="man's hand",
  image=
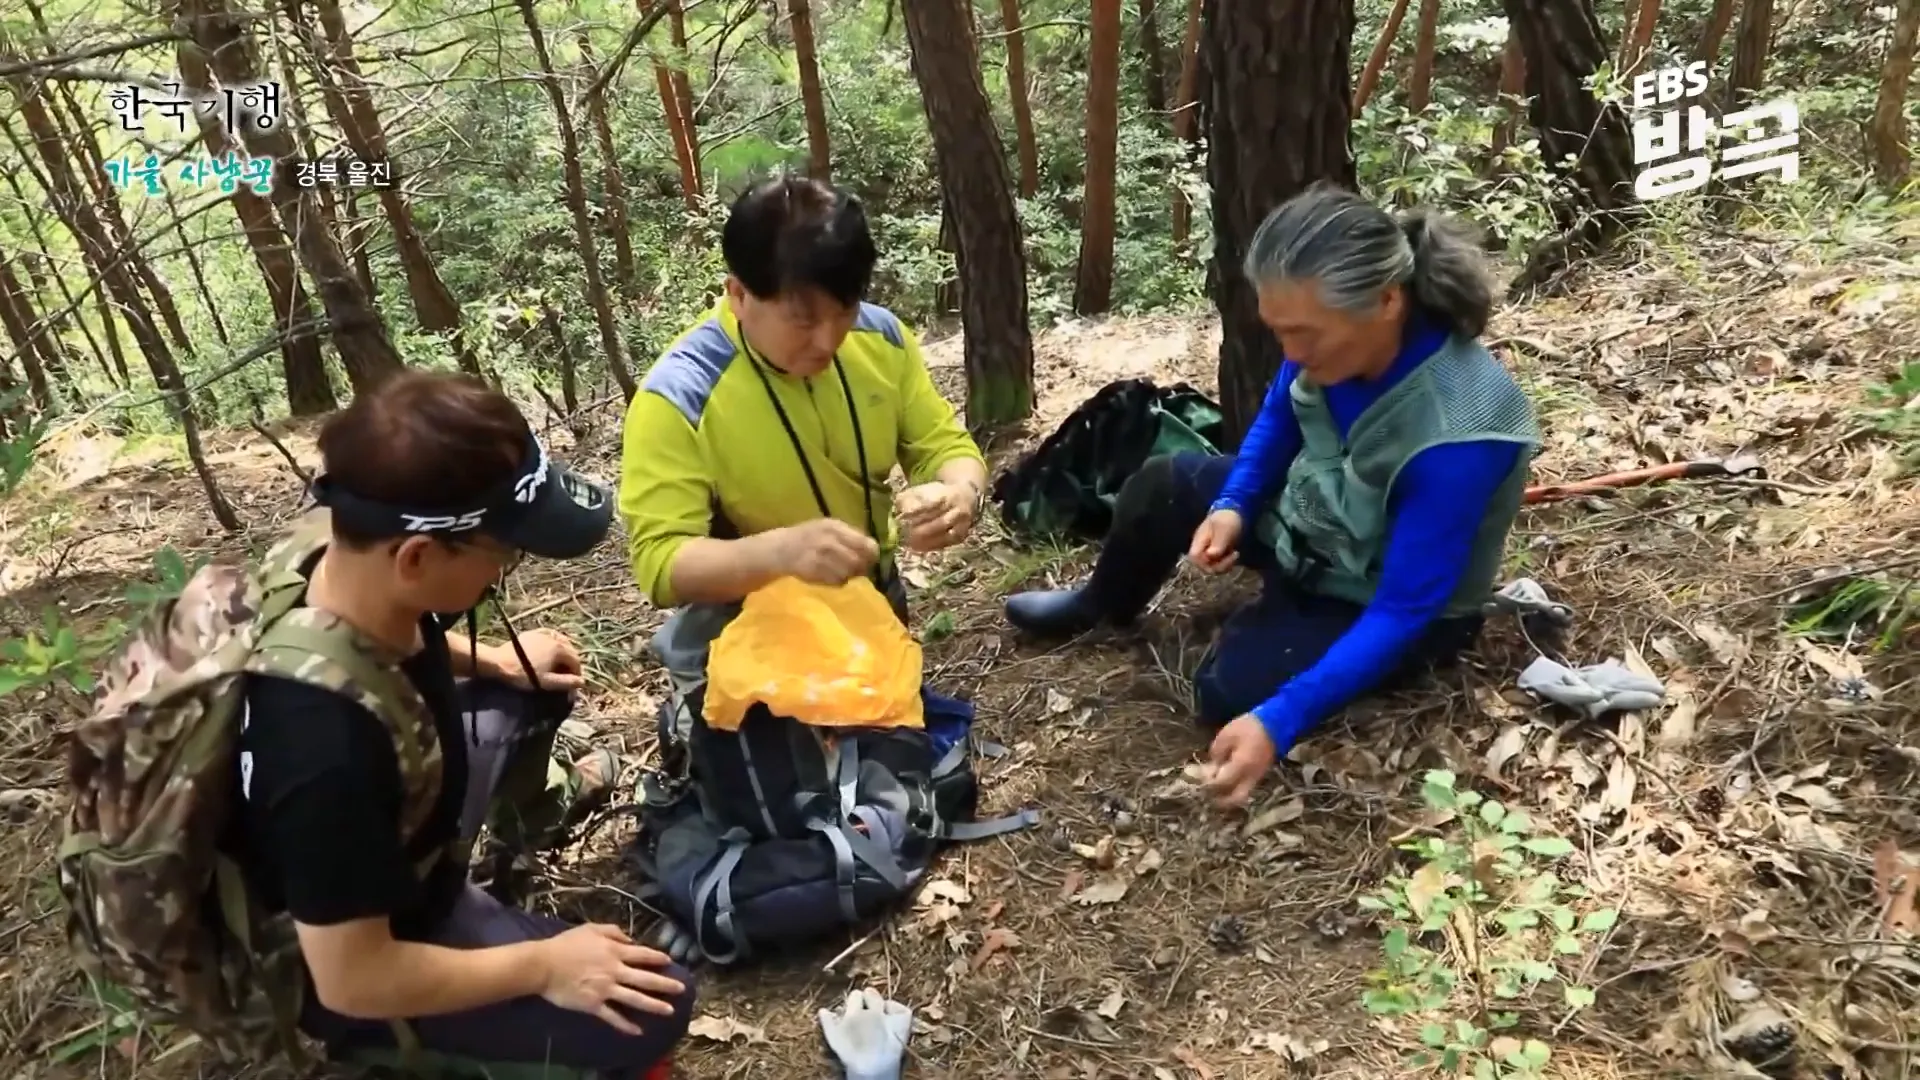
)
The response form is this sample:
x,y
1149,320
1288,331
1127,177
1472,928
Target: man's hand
x,y
1216,543
936,515
553,658
824,551
592,968
1241,756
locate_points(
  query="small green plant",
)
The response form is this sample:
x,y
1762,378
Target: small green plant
x,y
57,653
1474,934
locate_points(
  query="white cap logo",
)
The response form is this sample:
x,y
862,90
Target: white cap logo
x,y
527,488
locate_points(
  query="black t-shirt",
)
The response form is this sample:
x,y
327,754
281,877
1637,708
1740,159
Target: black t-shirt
x,y
319,828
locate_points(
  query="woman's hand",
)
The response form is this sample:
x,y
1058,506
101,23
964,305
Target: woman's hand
x,y
1216,543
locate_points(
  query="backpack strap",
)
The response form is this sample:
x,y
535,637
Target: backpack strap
x,y
715,892
320,649
964,831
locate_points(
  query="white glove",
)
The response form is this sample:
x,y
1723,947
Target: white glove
x,y
869,1036
1595,690
1524,597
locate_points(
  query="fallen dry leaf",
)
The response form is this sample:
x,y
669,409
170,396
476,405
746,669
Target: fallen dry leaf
x,y
1424,887
1108,890
725,1029
1815,796
942,889
1896,886
1621,781
1724,646
1110,1008
1150,861
1677,727
997,939
1071,884
1192,1061
1291,810
1512,740
1057,702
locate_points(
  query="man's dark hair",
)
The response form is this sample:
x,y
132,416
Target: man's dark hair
x,y
424,441
796,233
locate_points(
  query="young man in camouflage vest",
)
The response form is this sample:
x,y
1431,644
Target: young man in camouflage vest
x,y
434,487
1373,493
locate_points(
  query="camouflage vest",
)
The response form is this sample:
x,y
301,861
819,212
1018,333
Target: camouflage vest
x,y
154,906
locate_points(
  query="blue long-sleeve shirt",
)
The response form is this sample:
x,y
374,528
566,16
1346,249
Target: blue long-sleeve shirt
x,y
1435,510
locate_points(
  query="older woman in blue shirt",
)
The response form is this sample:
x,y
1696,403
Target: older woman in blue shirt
x,y
1373,493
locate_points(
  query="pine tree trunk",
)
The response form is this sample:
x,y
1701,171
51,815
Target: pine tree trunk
x,y
1153,57
813,103
1560,41
358,334
1887,134
576,188
1276,106
625,267
1186,118
1093,282
973,175
309,391
1377,59
1025,146
1751,48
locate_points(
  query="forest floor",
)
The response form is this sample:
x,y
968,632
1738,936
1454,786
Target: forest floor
x,y
1748,829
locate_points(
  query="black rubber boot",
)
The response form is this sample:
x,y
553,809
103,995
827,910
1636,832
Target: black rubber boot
x,y
1153,519
1054,613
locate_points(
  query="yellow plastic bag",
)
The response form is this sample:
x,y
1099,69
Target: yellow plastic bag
x,y
829,656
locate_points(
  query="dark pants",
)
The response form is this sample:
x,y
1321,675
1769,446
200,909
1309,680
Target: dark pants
x,y
1263,645
509,728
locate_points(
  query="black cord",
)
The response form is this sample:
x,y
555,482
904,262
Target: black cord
x,y
800,451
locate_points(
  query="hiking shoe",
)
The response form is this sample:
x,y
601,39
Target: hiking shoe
x,y
1058,613
590,782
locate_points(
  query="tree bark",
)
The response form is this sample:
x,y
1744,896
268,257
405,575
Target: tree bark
x,y
358,334
1377,59
195,267
1276,105
625,267
1420,79
1513,85
973,176
309,391
30,340
819,148
679,119
337,219
1719,19
77,131
69,193
1887,134
1153,57
1093,281
1751,47
1025,146
1186,117
71,311
351,103
576,188
1636,37
682,89
1560,41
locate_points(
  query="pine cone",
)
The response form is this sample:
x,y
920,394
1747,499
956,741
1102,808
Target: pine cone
x,y
1709,803
1227,933
1764,1039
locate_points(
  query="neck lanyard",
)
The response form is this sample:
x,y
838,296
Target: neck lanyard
x,y
800,451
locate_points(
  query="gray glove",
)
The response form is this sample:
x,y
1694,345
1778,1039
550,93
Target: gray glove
x,y
1525,597
1595,690
869,1035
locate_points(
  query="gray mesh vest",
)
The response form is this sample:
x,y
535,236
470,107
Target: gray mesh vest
x,y
1329,525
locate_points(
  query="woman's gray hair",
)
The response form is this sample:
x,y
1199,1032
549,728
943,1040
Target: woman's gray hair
x,y
1354,250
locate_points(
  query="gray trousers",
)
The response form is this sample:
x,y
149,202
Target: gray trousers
x,y
522,1036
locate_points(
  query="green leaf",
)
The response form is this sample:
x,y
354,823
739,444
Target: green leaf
x,y
1553,847
1484,1070
1438,796
1563,919
1450,1059
1567,945
1470,799
1434,1035
171,567
1395,943
1373,903
1465,1033
1579,997
82,681
1440,778
1515,822
1599,921
1536,1052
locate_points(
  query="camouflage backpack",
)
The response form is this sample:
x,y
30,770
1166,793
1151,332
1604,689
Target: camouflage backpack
x,y
155,906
